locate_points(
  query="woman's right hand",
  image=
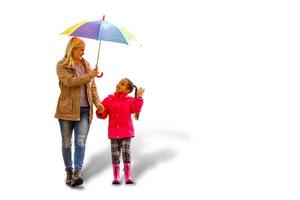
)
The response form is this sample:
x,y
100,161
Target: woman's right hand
x,y
94,72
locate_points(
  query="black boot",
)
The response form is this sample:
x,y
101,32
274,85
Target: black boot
x,y
77,179
69,177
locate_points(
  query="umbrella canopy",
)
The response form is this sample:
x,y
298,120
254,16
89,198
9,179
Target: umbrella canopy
x,y
100,30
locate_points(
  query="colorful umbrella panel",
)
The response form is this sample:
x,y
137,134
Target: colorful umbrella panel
x,y
100,30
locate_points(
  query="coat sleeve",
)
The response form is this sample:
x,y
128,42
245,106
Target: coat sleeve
x,y
136,105
94,93
69,79
105,113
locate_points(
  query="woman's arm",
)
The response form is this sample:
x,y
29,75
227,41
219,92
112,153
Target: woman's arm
x,y
105,112
71,80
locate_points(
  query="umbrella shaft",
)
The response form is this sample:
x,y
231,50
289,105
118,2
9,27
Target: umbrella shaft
x,y
98,54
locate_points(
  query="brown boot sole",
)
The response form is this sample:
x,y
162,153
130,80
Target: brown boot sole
x,y
78,181
68,182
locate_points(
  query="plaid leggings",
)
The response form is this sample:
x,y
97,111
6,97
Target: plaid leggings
x,y
118,145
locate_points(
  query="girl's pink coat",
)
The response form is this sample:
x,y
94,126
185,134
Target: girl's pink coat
x,y
119,108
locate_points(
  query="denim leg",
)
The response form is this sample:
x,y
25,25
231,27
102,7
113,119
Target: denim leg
x,y
81,132
66,129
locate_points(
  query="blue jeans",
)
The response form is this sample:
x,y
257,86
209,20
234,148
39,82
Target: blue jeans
x,y
81,129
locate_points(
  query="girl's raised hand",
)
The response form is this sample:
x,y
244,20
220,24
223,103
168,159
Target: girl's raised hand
x,y
140,92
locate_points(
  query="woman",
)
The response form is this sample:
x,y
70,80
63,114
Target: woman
x,y
75,106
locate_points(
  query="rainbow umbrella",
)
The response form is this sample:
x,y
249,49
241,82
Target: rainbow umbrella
x,y
100,30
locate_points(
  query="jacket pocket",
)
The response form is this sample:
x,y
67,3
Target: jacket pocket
x,y
65,105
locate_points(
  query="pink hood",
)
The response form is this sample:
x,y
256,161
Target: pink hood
x,y
119,107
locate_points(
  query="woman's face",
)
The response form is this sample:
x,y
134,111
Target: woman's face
x,y
78,52
122,86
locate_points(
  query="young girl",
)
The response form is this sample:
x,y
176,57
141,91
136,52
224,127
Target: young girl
x,y
119,107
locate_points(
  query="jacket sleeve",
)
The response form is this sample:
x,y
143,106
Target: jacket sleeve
x,y
105,113
69,79
94,93
136,105
95,96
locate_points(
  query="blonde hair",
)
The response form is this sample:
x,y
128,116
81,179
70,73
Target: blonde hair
x,y
74,42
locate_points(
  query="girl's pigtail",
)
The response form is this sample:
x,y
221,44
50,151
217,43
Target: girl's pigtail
x,y
136,115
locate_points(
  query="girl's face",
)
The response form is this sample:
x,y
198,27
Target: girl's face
x,y
122,86
78,52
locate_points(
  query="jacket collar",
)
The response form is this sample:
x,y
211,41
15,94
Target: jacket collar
x,y
120,94
73,66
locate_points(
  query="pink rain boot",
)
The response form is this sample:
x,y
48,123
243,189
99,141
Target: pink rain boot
x,y
116,169
127,171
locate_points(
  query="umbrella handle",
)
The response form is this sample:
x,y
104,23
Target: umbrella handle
x,y
99,76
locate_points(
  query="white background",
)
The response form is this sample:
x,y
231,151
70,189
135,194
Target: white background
x,y
221,113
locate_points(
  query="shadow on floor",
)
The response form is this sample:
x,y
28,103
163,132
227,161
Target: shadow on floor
x,y
142,162
97,164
